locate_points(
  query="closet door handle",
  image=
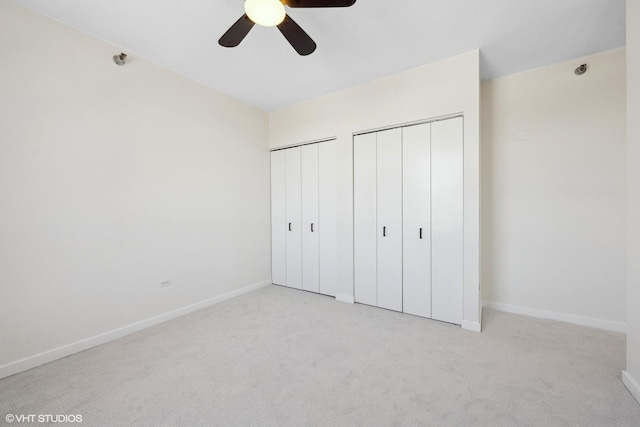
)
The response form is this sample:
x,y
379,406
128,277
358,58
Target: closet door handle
x,y
384,231
289,226
312,227
421,233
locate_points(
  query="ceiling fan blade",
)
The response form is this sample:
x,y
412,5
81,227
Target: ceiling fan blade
x,y
318,3
296,36
237,32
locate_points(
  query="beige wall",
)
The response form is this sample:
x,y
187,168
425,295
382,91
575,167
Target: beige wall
x,y
113,179
553,191
632,374
442,88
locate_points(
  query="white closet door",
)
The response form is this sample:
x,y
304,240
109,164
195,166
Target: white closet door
x,y
328,216
310,242
278,219
447,220
389,207
364,221
416,220
294,220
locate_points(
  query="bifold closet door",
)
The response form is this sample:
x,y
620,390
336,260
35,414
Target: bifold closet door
x,y
310,201
447,220
389,209
328,216
364,218
416,219
294,217
278,219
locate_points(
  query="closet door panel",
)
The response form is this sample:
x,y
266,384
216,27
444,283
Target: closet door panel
x,y
328,216
310,229
278,219
416,219
389,207
294,220
447,220
364,213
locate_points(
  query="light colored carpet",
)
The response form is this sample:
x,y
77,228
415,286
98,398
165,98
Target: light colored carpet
x,y
281,357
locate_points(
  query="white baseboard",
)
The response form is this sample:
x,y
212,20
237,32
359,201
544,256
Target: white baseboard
x,y
562,317
471,326
631,384
78,346
345,298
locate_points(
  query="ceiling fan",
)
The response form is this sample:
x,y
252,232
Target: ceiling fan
x,y
271,13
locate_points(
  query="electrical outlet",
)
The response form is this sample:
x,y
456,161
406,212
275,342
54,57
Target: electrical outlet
x,y
165,283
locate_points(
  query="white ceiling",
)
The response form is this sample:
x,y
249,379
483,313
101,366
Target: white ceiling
x,y
372,39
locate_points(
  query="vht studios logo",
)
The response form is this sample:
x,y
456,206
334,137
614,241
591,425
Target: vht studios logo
x,y
43,418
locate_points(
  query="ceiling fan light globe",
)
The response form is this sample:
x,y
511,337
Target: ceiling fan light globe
x,y
267,13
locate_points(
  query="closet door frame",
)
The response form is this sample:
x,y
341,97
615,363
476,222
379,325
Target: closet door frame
x,y
284,246
457,319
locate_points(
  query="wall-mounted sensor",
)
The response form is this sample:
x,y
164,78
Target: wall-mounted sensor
x,y
119,59
581,70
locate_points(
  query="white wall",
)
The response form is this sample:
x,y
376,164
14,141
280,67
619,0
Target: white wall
x,y
441,88
111,180
631,376
553,191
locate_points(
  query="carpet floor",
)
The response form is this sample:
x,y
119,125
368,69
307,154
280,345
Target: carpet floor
x,y
282,357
